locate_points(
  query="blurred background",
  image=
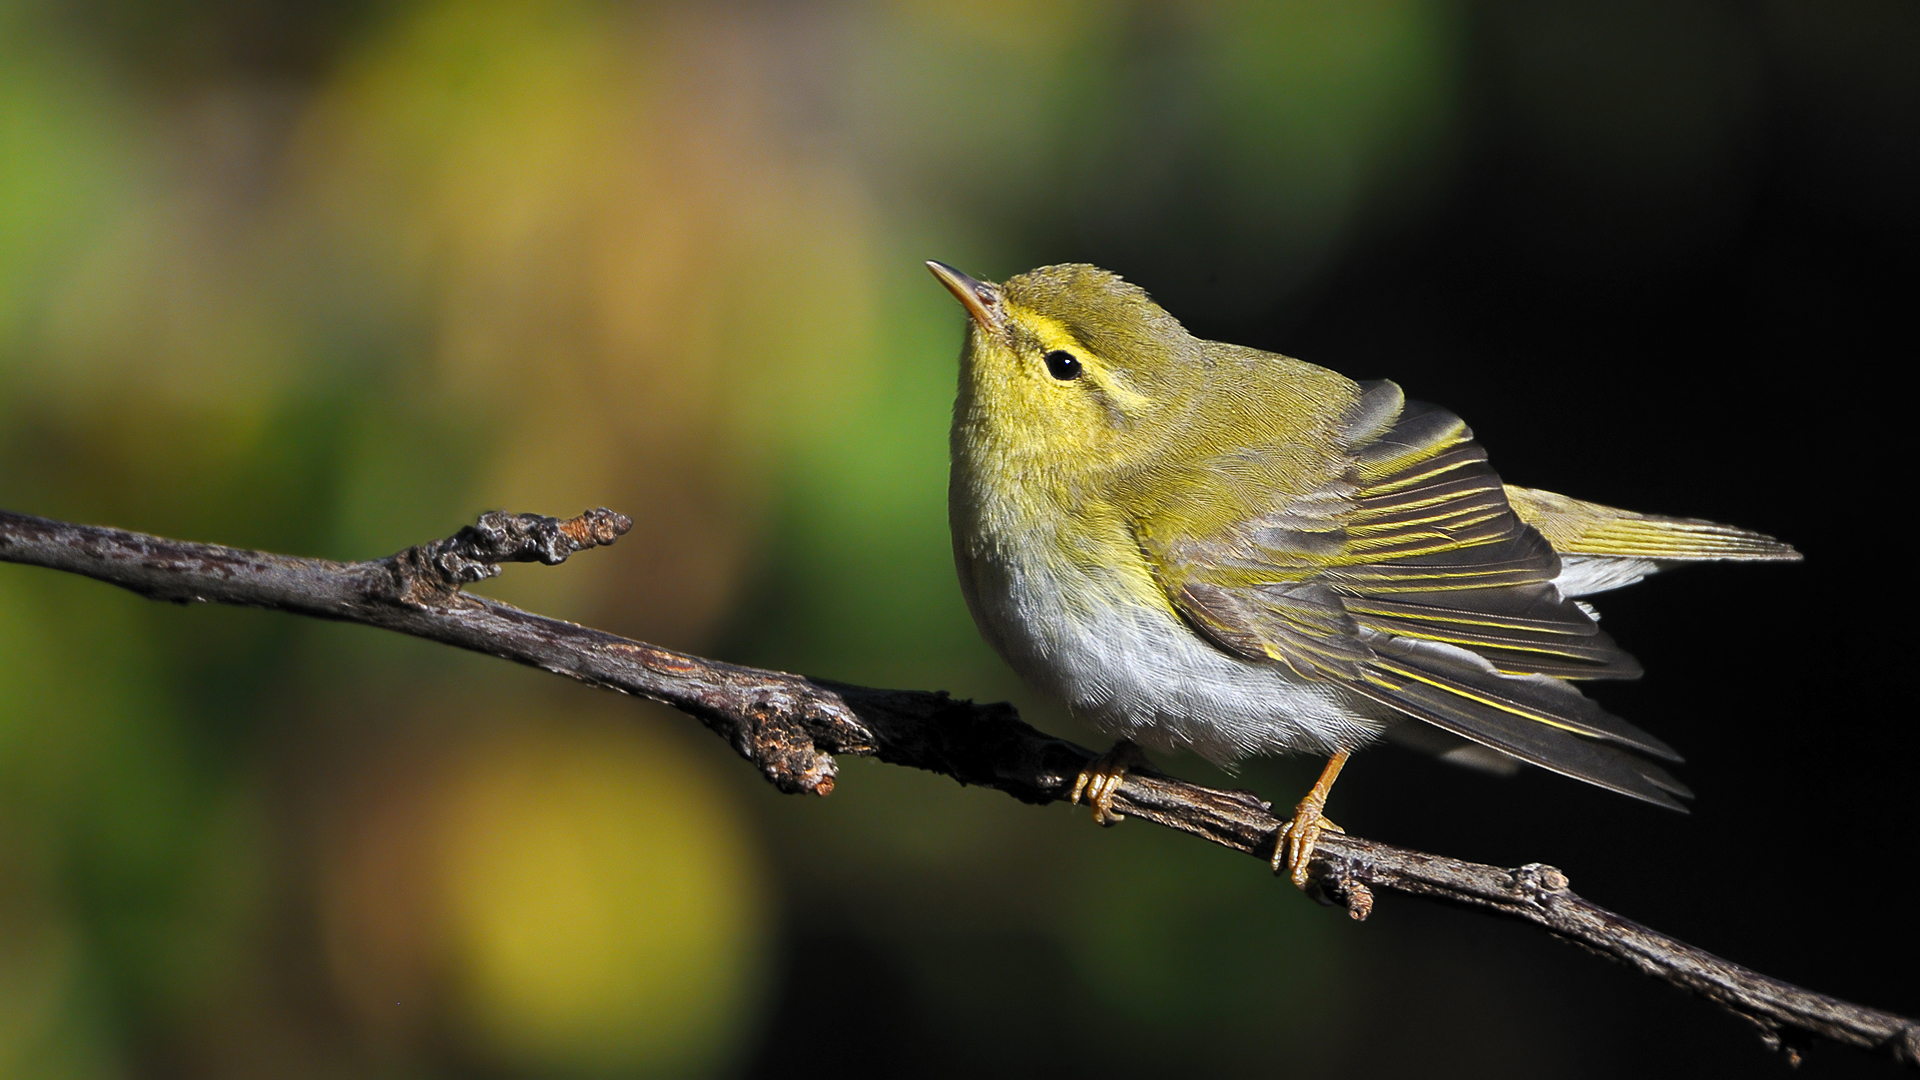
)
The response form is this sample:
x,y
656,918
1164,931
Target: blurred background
x,y
332,277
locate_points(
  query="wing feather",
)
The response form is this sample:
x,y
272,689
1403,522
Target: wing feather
x,y
1542,700
1427,690
1409,578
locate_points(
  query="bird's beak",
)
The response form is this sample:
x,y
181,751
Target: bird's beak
x,y
981,300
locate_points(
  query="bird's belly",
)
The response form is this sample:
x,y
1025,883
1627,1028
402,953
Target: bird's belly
x,y
1134,670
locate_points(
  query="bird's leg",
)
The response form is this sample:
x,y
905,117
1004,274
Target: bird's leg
x,y
1293,844
1102,776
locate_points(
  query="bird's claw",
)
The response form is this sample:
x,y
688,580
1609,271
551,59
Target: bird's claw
x,y
1100,780
1293,845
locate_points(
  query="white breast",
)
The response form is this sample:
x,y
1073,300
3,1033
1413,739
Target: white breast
x,y
1138,672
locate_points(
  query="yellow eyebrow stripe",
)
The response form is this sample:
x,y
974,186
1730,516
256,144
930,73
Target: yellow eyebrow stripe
x,y
1052,334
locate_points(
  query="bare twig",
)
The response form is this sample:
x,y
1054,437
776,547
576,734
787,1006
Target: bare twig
x,y
791,726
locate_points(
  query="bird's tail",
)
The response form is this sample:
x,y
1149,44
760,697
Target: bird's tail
x,y
1574,527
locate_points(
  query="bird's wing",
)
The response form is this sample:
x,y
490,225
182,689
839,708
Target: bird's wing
x,y
1407,577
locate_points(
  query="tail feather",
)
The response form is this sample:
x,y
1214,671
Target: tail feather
x,y
1574,527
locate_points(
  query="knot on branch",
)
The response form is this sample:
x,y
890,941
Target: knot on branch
x,y
778,741
1535,882
1334,881
791,733
433,572
1355,897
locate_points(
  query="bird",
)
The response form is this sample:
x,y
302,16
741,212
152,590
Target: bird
x,y
1208,547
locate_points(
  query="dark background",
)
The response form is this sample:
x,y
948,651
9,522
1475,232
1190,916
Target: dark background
x,y
331,278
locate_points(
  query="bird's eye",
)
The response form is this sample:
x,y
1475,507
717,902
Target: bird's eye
x,y
1063,365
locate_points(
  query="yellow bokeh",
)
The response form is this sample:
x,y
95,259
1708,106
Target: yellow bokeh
x,y
604,906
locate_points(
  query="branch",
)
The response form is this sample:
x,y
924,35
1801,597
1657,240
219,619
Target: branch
x,y
791,726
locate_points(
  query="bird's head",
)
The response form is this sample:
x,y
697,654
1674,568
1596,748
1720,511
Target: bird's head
x,y
1070,366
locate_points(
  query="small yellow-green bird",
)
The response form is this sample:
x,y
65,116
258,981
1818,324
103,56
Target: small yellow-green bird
x,y
1207,547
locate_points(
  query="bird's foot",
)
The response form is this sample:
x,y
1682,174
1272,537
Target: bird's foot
x,y
1293,845
1098,782
1294,842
